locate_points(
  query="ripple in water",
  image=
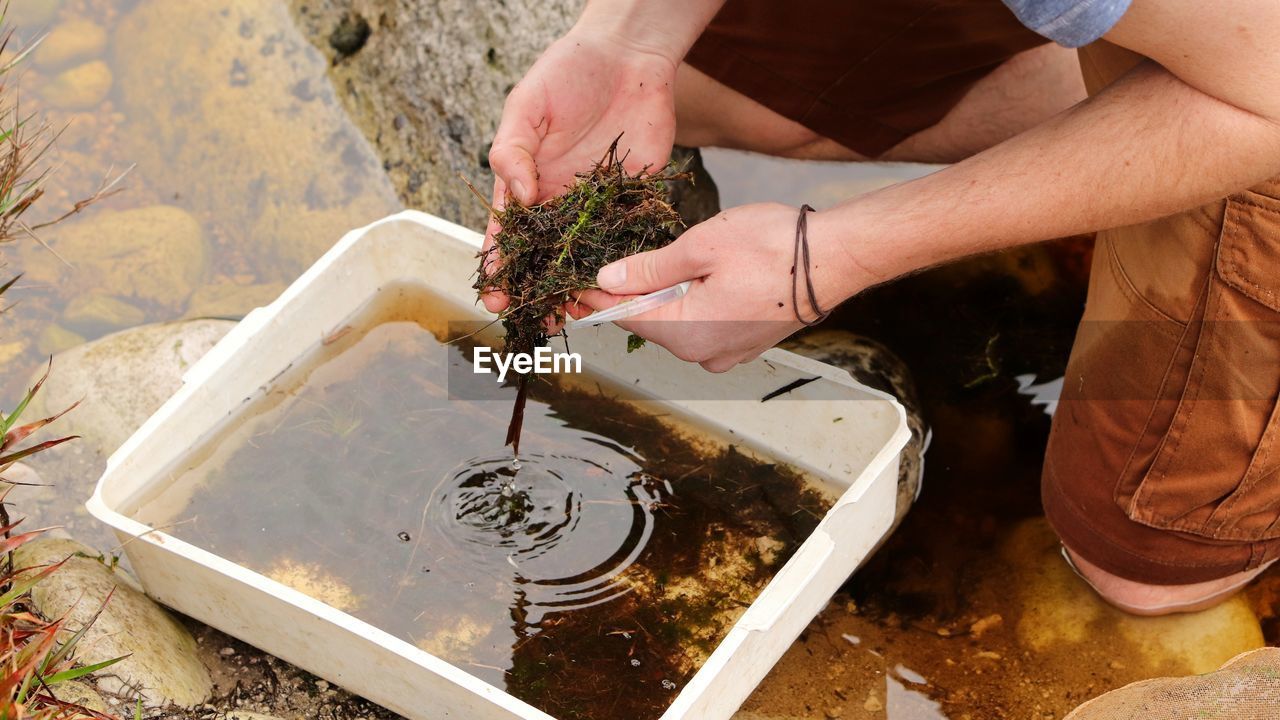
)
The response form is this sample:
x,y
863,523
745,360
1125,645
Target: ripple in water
x,y
560,545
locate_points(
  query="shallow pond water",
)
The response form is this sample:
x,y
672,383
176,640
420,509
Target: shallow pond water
x,y
591,578
971,594
231,120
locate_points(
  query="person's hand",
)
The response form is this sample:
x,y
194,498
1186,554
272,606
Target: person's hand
x,y
586,90
740,301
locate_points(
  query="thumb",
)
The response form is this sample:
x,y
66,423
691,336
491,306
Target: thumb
x,y
649,271
514,145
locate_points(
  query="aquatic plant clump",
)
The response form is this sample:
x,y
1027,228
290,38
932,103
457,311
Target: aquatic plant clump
x,y
548,253
552,251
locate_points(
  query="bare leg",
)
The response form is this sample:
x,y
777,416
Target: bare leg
x,y
1026,90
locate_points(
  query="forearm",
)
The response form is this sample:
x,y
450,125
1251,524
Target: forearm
x,y
1149,146
664,27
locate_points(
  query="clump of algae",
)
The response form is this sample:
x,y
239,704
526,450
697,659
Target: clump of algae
x,y
552,251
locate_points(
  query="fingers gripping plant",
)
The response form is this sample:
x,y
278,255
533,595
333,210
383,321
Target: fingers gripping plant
x,y
552,251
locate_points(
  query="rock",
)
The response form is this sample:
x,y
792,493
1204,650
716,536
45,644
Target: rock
x,y
428,83
161,666
78,693
122,378
874,365
74,40
300,236
1060,611
231,301
29,495
31,15
244,106
80,88
349,37
97,314
55,339
154,255
11,350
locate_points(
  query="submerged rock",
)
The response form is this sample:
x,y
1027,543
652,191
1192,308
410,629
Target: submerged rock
x,y
95,314
247,103
1060,611
54,339
31,15
80,88
75,40
875,365
230,301
161,663
153,255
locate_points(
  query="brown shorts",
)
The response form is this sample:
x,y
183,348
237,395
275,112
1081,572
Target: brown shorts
x,y
1163,464
865,73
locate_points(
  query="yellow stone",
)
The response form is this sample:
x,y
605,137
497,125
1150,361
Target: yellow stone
x,y
1060,611
73,41
80,88
11,350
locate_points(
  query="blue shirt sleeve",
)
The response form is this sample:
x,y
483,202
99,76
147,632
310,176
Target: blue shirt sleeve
x,y
1071,23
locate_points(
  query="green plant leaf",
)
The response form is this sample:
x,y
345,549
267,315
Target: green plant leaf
x,y
12,418
77,673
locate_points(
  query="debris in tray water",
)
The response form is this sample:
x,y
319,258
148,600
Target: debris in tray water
x,y
591,581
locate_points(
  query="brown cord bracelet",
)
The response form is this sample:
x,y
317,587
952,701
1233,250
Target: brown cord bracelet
x,y
802,254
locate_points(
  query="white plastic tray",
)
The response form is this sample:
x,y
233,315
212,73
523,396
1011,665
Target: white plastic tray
x,y
859,453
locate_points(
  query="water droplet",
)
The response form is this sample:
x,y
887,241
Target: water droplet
x,y
515,463
668,685
635,662
404,536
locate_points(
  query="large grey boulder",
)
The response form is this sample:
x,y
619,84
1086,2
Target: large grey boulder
x,y
121,379
160,661
426,82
